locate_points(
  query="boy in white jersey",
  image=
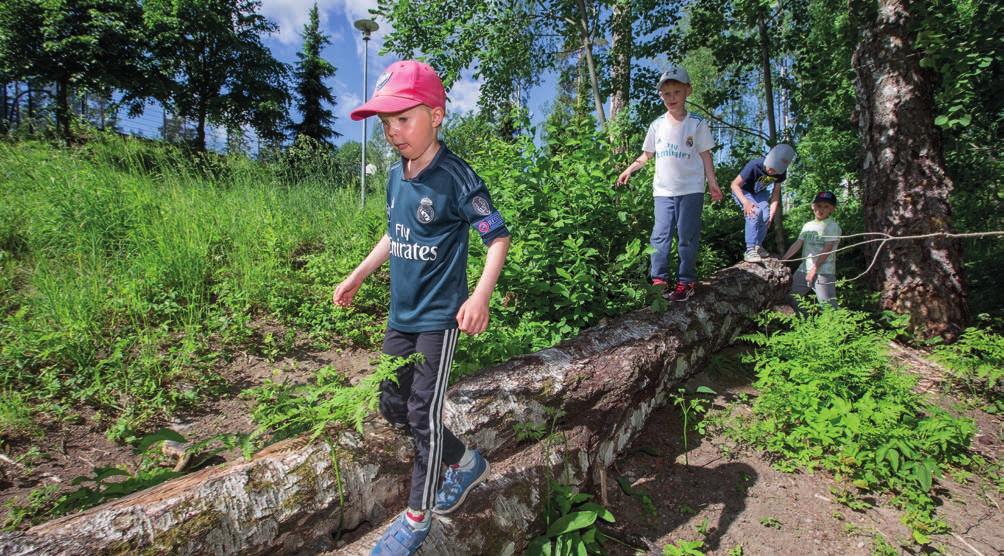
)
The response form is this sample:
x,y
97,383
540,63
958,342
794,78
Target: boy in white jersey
x,y
817,240
681,144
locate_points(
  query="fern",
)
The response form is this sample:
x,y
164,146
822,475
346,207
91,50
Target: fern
x,y
285,410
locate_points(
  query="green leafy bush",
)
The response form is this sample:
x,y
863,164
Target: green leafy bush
x,y
829,398
976,363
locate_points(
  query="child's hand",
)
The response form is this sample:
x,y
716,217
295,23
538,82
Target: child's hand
x,y
346,291
810,277
749,209
472,318
623,178
716,193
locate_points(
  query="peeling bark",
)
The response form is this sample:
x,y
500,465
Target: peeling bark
x,y
607,382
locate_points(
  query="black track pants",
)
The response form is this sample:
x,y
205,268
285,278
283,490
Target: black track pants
x,y
416,403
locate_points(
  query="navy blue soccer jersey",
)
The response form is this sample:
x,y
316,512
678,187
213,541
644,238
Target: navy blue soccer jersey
x,y
428,218
756,178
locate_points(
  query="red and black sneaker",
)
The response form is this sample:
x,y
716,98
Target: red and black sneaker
x,y
659,283
682,291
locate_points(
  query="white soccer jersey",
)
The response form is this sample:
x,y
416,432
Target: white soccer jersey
x,y
677,147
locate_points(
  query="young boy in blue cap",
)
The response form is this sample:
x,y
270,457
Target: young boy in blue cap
x,y
433,198
757,190
818,240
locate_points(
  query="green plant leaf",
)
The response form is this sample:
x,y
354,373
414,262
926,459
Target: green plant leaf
x,y
571,522
159,436
601,512
920,538
923,476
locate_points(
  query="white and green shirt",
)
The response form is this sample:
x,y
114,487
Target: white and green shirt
x,y
678,147
814,235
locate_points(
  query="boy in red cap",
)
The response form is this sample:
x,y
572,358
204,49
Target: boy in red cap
x,y
433,197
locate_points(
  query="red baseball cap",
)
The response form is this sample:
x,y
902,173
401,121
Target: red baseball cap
x,y
403,85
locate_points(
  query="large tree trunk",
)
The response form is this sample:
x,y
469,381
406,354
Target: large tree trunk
x,y
906,187
295,496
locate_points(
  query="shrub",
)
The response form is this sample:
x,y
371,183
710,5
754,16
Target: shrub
x,y
829,398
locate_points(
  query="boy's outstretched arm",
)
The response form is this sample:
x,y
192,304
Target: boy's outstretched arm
x,y
792,250
633,167
472,318
345,291
820,259
709,174
775,201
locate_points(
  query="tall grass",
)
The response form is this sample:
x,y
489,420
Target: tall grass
x,y
128,269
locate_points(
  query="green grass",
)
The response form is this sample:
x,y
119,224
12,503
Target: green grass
x,y
128,270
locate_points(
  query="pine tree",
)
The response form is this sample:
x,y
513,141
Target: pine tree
x,y
312,93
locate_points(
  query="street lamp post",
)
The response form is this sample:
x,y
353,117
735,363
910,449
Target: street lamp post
x,y
367,26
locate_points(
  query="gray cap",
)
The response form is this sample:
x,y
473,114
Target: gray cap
x,y
779,157
674,73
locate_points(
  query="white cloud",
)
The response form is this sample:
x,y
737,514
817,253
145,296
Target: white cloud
x,y
347,102
291,16
464,95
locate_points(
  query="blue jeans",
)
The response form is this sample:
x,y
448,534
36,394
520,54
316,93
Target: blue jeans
x,y
682,214
756,225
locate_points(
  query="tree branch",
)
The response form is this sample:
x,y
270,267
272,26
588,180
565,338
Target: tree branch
x,y
736,127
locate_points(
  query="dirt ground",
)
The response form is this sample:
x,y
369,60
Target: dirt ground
x,y
69,450
738,504
732,500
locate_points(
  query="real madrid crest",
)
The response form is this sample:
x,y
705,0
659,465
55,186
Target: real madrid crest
x,y
690,140
481,205
425,212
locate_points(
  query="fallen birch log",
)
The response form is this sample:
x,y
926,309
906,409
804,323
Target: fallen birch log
x,y
295,496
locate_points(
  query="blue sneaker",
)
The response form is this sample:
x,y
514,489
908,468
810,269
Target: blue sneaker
x,y
458,483
400,539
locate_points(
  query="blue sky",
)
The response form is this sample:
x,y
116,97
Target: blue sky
x,y
346,53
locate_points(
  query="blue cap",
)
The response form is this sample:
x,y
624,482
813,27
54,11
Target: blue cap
x,y
825,197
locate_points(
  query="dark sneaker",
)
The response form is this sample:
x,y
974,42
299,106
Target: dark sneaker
x,y
458,483
682,291
752,255
400,539
764,254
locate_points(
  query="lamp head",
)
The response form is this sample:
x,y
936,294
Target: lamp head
x,y
367,26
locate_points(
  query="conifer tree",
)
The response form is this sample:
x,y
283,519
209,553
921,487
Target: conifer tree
x,y
312,93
